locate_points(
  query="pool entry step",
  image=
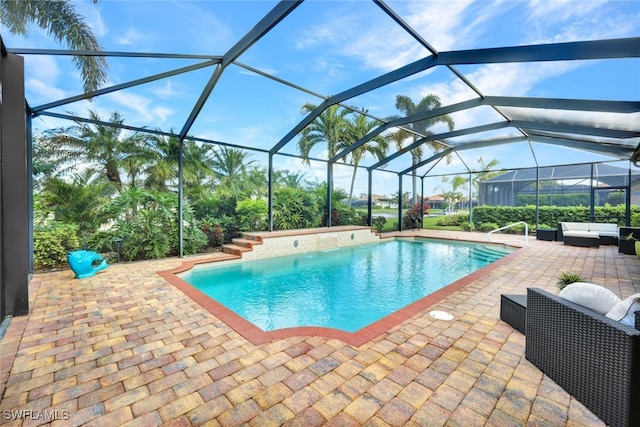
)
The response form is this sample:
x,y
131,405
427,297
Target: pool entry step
x,y
488,253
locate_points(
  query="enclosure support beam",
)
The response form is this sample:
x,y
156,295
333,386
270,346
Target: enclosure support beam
x,y
270,191
399,202
537,195
14,190
180,197
592,202
329,186
370,199
627,209
421,199
470,201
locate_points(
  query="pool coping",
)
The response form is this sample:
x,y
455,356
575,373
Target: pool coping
x,y
358,338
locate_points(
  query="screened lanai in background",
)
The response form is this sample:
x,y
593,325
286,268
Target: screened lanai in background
x,y
569,185
530,100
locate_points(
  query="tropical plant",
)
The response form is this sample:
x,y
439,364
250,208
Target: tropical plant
x,y
568,277
45,165
408,108
331,128
77,202
377,147
378,223
286,178
486,171
413,217
294,208
219,230
230,166
147,222
51,243
193,237
59,19
162,171
252,215
99,146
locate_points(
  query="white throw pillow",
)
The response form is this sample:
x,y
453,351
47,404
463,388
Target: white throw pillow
x,y
596,297
624,311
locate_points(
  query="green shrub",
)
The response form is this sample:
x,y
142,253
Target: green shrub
x,y
219,230
252,215
52,242
294,208
505,215
193,239
147,223
517,229
487,226
467,226
453,220
378,223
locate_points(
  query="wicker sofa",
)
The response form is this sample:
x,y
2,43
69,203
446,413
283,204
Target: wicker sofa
x,y
594,358
590,234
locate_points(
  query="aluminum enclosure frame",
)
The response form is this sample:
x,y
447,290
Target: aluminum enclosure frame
x,y
618,144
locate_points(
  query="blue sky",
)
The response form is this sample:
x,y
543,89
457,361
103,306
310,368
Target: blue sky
x,y
327,47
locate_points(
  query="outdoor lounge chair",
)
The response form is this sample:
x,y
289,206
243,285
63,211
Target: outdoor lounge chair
x,y
594,358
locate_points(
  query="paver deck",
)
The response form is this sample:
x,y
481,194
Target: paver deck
x,y
128,348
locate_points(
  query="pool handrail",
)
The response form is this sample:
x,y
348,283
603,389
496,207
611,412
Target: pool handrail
x,y
526,231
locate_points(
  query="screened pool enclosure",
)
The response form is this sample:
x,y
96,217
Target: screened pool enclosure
x,y
246,91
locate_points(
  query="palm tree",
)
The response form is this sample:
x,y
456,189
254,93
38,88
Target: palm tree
x,y
288,179
484,173
230,165
58,18
162,173
377,147
331,127
76,202
408,108
99,146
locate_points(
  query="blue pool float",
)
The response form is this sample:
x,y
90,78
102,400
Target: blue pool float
x,y
82,263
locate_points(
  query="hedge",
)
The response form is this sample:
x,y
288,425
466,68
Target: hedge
x,y
551,215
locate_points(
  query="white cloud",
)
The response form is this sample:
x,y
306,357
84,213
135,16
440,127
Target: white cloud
x,y
45,92
93,17
166,90
440,23
131,37
41,67
558,11
146,111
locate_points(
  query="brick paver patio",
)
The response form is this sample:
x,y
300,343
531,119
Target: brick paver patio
x,y
127,348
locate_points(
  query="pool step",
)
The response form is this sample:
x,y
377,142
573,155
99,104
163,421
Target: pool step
x,y
242,244
253,238
247,243
490,254
235,249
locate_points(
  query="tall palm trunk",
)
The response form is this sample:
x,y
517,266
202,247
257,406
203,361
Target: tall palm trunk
x,y
353,182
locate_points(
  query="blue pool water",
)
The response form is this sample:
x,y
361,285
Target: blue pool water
x,y
346,288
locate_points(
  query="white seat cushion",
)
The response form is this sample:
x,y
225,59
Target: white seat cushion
x,y
624,311
595,297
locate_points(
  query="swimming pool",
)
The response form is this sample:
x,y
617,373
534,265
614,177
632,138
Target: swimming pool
x,y
346,288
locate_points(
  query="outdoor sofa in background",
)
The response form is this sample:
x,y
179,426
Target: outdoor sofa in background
x,y
588,234
594,358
